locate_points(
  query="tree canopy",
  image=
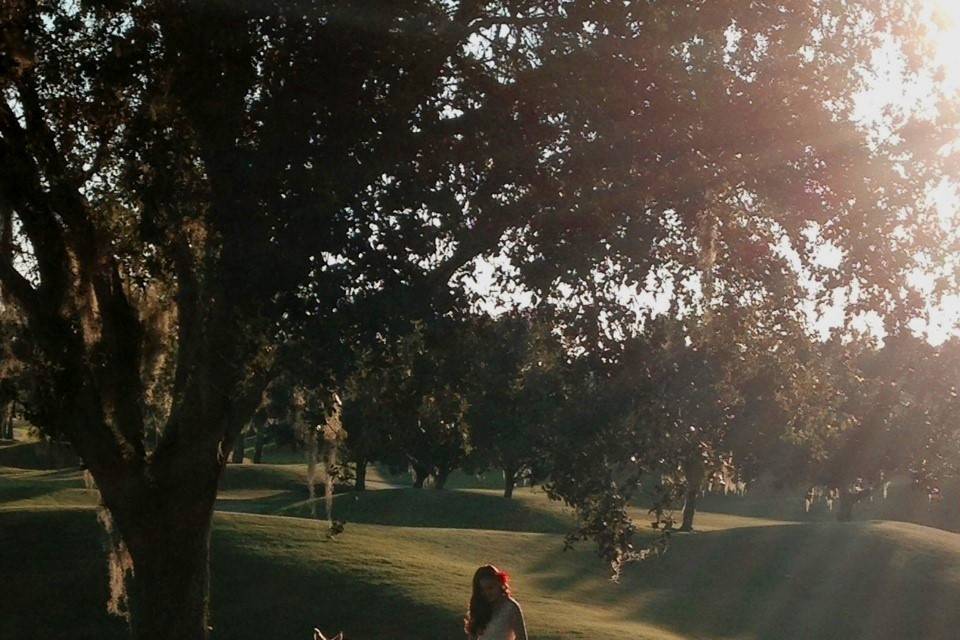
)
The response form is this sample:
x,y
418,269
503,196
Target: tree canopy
x,y
194,185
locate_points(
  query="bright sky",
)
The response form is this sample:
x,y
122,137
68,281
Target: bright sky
x,y
887,89
945,317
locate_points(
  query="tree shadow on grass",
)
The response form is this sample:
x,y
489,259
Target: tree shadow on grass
x,y
262,476
38,455
54,571
266,501
824,581
257,597
16,486
443,509
905,503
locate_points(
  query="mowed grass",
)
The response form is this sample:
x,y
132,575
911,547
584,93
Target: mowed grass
x,y
31,454
30,488
276,577
402,567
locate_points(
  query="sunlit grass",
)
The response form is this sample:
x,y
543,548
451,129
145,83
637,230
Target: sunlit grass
x,y
276,577
402,566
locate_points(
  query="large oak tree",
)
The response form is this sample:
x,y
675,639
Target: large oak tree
x,y
192,183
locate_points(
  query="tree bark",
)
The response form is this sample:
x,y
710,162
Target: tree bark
x,y
440,477
171,584
689,508
6,420
360,481
420,474
164,520
693,471
509,481
239,449
258,443
848,499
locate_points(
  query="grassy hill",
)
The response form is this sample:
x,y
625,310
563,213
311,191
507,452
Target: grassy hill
x,y
402,569
275,577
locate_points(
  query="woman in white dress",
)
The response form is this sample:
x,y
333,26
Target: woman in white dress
x,y
493,613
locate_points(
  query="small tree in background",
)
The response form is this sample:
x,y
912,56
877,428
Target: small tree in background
x,y
515,394
367,418
405,404
869,411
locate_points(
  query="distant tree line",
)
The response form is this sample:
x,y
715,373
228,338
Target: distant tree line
x,y
681,402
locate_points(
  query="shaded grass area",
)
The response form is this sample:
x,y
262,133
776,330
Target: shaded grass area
x,y
53,568
281,490
445,509
30,487
278,490
273,453
908,503
529,510
276,454
862,580
37,455
459,479
402,567
278,577
264,476
905,503
396,566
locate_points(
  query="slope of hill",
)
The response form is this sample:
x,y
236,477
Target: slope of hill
x,y
402,569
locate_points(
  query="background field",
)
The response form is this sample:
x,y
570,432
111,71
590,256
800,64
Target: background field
x,y
756,568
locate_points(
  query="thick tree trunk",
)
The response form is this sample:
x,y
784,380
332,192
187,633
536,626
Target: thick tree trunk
x,y
258,444
360,481
6,420
509,481
420,474
171,585
166,530
440,477
689,508
848,499
239,449
693,471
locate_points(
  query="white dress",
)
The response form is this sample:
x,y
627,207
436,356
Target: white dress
x,y
500,626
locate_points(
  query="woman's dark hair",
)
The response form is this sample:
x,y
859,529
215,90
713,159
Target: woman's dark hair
x,y
480,611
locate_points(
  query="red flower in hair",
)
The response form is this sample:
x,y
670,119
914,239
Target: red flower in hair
x,y
504,577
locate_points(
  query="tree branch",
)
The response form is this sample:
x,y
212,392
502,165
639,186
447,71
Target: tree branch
x,y
52,219
17,289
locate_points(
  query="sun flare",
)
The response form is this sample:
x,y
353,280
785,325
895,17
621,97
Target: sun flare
x,y
945,33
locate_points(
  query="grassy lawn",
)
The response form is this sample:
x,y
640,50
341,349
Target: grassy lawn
x,y
402,567
29,454
275,577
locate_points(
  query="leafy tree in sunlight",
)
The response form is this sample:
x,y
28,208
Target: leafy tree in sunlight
x,y
257,169
874,411
691,396
682,399
367,418
515,390
406,405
